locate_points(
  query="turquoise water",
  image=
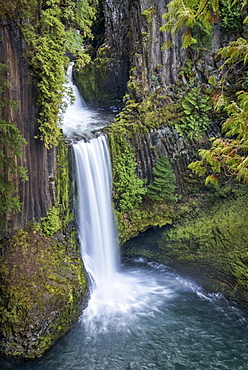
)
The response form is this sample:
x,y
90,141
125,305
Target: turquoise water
x,y
152,319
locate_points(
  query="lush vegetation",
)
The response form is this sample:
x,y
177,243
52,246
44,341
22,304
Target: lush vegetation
x,y
50,30
208,243
128,188
195,116
215,241
41,291
192,16
228,153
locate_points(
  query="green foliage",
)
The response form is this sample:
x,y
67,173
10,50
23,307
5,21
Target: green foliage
x,y
148,13
49,28
11,143
193,16
187,15
195,118
232,14
51,223
128,188
163,185
235,51
153,111
229,153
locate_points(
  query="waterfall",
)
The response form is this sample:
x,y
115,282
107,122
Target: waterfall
x,y
116,298
78,120
95,218
93,176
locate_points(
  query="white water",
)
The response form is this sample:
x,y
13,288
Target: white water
x,y
78,120
96,226
116,297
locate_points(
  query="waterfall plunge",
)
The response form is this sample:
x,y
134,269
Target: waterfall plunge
x,y
96,226
117,299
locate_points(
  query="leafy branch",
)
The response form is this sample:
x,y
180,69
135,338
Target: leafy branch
x,y
187,15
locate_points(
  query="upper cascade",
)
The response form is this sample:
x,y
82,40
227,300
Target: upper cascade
x,y
78,120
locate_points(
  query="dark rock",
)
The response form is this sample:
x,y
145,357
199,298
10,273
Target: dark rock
x,y
36,194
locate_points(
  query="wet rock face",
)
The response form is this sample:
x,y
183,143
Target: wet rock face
x,y
157,143
132,31
102,83
36,194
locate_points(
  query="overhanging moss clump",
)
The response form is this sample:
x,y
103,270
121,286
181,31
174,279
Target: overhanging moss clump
x,y
42,288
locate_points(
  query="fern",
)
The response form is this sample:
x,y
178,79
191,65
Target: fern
x,y
163,185
195,119
202,14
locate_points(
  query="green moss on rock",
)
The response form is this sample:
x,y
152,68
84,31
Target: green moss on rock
x,y
42,288
209,246
99,82
140,219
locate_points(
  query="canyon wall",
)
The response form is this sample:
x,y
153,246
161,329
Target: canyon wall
x,y
38,193
133,49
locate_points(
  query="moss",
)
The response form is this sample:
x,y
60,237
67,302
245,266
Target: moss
x,y
128,189
211,246
42,288
148,13
137,220
207,241
96,81
43,283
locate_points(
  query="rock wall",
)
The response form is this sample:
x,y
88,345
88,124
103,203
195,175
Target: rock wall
x,y
166,141
37,194
133,50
